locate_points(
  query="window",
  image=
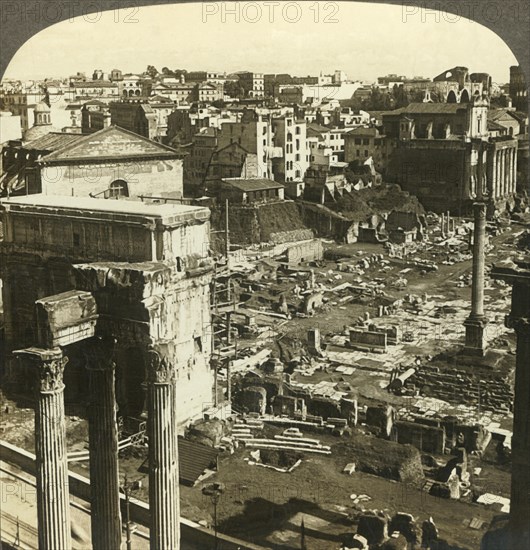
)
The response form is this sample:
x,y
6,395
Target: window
x,y
366,141
297,174
366,152
357,141
289,137
297,157
297,144
298,130
358,153
77,240
118,188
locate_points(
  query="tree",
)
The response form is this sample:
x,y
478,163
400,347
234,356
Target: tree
x,y
151,71
234,89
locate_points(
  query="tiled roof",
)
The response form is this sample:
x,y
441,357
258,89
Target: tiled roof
x,y
194,458
317,128
429,108
95,84
256,184
110,143
52,141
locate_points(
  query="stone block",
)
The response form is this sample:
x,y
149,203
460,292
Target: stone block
x,y
66,318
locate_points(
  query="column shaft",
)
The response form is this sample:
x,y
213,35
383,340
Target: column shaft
x,y
163,455
53,495
477,289
103,448
475,322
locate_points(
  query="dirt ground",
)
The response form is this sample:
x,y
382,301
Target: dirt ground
x,y
265,506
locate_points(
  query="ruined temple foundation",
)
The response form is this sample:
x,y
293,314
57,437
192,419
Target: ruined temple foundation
x,y
103,447
53,499
163,454
476,322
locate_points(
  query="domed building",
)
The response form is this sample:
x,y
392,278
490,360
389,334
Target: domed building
x,y
42,123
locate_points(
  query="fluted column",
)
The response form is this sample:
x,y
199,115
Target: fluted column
x,y
514,171
53,496
498,173
163,454
103,447
475,322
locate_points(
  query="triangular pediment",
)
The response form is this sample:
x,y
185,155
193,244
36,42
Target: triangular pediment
x,y
110,143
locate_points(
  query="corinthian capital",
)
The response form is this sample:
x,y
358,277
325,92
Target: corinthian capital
x,y
159,369
50,374
99,353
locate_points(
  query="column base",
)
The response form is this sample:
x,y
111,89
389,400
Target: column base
x,y
475,343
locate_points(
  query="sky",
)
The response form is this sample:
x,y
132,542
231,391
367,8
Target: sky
x,y
299,38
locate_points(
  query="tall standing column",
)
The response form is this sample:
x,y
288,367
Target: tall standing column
x,y
518,275
476,321
103,447
498,184
163,454
53,495
520,489
494,191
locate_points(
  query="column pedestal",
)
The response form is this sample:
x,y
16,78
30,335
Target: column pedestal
x,y
103,447
163,455
53,495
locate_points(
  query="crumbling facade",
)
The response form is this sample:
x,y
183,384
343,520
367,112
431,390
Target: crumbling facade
x,y
146,265
145,318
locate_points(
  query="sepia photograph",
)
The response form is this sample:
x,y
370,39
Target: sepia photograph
x,y
264,275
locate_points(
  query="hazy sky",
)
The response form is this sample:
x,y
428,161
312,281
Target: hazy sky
x,y
300,38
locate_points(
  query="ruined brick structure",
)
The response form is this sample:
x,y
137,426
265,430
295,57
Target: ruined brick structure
x,y
121,288
146,265
443,154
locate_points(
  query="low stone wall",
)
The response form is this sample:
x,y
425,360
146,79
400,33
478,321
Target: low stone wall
x,y
493,392
429,439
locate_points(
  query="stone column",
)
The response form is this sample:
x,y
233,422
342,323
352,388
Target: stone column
x,y
514,171
103,446
53,495
494,191
476,321
498,173
506,172
502,173
520,488
163,454
518,275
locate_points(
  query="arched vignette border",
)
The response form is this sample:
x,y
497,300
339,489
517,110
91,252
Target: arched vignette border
x,y
19,19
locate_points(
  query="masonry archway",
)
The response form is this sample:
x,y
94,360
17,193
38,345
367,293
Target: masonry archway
x,y
131,375
118,188
451,97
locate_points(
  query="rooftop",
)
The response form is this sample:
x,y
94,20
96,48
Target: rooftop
x,y
429,108
256,184
52,141
106,206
